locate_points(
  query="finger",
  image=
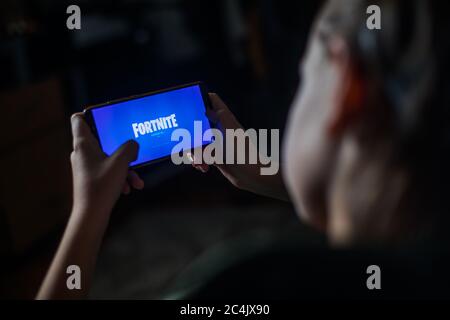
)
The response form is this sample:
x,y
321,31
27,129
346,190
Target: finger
x,y
201,167
80,131
190,157
126,153
222,114
126,189
217,103
212,116
194,163
135,181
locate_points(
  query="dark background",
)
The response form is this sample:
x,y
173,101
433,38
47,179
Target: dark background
x,y
246,51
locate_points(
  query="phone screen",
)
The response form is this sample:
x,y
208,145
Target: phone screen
x,y
150,121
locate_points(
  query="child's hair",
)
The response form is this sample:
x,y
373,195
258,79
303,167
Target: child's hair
x,y
406,63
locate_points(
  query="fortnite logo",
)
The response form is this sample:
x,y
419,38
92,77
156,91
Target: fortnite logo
x,y
155,125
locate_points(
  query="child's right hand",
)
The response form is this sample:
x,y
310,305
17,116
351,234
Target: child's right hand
x,y
243,176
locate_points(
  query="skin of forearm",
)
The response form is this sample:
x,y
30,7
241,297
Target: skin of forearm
x,y
79,246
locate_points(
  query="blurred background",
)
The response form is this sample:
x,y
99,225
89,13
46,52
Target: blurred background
x,y
246,51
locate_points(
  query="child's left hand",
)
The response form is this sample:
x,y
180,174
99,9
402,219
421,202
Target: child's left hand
x,y
98,179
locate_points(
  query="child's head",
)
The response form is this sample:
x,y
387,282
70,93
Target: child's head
x,y
367,134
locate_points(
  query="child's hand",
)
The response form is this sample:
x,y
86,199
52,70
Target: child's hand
x,y
243,176
224,119
97,179
97,183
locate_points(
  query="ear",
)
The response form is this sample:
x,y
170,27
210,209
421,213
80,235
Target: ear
x,y
351,93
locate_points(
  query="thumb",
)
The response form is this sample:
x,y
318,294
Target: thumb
x,y
221,114
126,153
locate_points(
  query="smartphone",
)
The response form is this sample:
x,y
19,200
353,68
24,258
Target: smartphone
x,y
150,119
